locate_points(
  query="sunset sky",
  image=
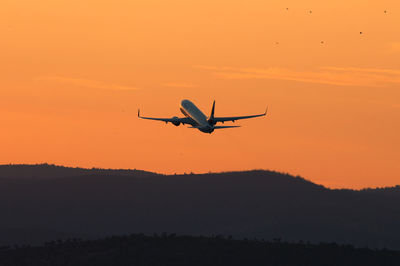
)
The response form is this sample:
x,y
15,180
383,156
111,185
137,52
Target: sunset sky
x,y
73,74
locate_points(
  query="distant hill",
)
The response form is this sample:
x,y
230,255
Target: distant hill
x,y
54,171
185,250
67,202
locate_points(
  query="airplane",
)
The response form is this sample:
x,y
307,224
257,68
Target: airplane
x,y
197,119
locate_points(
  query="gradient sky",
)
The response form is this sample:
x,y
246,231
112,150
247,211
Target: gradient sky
x,y
73,73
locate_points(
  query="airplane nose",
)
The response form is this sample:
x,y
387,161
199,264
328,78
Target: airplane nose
x,y
184,103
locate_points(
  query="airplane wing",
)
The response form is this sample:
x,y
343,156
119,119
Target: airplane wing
x,y
184,120
234,118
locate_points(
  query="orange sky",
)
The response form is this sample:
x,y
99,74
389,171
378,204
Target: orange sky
x,y
73,73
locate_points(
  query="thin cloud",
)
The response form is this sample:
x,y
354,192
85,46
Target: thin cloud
x,y
88,83
340,76
365,70
178,85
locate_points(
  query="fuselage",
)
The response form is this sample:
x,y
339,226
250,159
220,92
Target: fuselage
x,y
189,109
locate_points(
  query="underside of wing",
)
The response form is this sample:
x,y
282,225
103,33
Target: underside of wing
x,y
234,118
175,120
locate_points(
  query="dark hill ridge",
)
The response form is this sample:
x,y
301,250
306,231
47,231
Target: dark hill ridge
x,y
54,171
250,204
169,249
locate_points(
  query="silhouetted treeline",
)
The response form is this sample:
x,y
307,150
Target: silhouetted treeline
x,y
52,171
250,204
188,250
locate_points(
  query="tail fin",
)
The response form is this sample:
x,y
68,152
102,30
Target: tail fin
x,y
212,111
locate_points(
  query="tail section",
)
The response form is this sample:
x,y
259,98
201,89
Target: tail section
x,y
211,120
212,111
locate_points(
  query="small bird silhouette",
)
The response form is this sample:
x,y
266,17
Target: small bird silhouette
x,y
361,32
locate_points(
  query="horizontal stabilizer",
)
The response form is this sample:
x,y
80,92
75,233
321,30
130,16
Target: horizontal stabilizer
x,y
215,127
219,127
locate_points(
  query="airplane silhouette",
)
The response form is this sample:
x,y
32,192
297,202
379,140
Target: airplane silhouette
x,y
198,120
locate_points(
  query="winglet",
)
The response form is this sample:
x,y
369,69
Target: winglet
x,y
138,112
266,110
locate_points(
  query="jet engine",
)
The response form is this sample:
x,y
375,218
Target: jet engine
x,y
175,121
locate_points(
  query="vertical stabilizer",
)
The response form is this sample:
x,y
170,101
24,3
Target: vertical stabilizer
x,y
211,118
212,111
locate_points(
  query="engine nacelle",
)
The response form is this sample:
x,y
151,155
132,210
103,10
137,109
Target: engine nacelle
x,y
175,121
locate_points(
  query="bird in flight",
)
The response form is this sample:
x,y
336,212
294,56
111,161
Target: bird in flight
x,y
198,120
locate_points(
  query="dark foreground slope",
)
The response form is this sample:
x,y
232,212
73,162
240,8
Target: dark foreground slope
x,y
183,250
250,204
